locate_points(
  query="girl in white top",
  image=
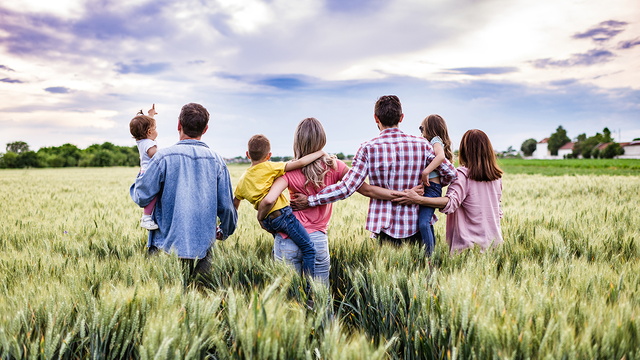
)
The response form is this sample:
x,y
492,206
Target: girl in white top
x,y
143,129
434,129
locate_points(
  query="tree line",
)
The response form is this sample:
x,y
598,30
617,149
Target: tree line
x,y
18,155
584,147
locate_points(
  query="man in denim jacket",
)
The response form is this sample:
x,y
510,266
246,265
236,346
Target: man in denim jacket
x,y
194,190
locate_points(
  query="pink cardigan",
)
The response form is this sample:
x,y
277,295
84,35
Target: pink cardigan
x,y
473,212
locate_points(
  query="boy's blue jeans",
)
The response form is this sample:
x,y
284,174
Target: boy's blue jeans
x,y
424,218
287,223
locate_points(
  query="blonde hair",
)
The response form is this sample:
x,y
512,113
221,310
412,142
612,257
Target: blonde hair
x,y
310,137
434,125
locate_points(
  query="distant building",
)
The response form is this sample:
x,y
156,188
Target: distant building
x,y
631,150
542,150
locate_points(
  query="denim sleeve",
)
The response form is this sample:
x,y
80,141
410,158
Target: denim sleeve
x,y
148,185
226,211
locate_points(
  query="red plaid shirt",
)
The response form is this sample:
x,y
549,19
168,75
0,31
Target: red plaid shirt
x,y
393,160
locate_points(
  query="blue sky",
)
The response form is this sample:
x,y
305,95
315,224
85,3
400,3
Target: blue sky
x,y
75,71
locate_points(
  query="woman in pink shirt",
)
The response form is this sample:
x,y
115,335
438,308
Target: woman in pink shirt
x,y
472,202
310,137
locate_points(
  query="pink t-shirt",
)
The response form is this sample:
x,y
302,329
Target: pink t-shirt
x,y
314,218
473,212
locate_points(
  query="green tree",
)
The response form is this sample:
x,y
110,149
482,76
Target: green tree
x,y
340,156
558,139
528,147
10,160
17,147
612,150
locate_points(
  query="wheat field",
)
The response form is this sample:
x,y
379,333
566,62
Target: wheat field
x,y
76,282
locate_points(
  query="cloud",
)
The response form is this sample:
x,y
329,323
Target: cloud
x,y
483,70
358,6
138,67
11,81
628,44
283,82
58,90
3,67
596,56
603,31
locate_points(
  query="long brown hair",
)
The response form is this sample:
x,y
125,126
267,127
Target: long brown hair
x,y
434,125
310,137
476,154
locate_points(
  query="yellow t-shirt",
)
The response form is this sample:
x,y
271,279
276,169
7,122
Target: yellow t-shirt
x,y
256,182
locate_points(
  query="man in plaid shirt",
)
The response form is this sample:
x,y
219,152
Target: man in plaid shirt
x,y
392,160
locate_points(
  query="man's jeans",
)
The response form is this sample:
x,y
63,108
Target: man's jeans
x,y
287,223
287,251
424,219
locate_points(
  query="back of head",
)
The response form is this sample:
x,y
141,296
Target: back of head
x,y
388,110
140,126
258,147
308,138
193,119
434,125
476,154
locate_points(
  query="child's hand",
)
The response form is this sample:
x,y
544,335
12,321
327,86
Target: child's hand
x,y
152,112
425,178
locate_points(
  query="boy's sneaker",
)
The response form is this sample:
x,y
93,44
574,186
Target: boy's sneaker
x,y
148,223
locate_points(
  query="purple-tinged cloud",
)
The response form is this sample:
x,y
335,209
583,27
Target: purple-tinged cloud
x,y
354,6
3,67
623,45
564,82
476,71
11,81
58,90
138,67
592,57
283,82
603,31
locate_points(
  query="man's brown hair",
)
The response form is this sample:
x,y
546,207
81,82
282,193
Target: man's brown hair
x,y
476,154
140,125
259,147
193,119
388,110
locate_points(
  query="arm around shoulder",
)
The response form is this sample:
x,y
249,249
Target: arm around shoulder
x,y
303,161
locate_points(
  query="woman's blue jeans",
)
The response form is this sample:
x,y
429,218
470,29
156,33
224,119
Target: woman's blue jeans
x,y
287,223
424,219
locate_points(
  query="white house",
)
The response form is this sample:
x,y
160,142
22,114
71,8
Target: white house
x,y
542,150
631,150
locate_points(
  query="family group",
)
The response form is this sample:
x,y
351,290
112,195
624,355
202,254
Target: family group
x,y
189,201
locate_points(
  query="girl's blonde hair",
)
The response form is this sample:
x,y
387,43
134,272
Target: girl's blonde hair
x,y
434,125
476,154
310,137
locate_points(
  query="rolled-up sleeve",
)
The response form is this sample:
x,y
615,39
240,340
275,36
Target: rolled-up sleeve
x,y
226,211
447,173
351,182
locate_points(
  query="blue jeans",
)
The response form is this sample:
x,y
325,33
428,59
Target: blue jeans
x,y
424,218
287,223
287,251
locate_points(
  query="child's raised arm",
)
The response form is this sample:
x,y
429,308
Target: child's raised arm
x,y
303,161
439,151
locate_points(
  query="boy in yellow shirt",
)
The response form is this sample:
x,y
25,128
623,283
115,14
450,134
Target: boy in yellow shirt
x,y
255,184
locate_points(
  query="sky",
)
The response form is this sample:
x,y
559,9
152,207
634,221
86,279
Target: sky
x,y
77,71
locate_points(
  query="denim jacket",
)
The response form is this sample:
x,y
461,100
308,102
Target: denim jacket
x,y
193,186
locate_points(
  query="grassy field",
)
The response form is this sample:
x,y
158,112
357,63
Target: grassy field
x,y
572,166
75,281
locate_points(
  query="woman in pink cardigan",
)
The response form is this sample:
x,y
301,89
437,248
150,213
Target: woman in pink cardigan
x,y
472,203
